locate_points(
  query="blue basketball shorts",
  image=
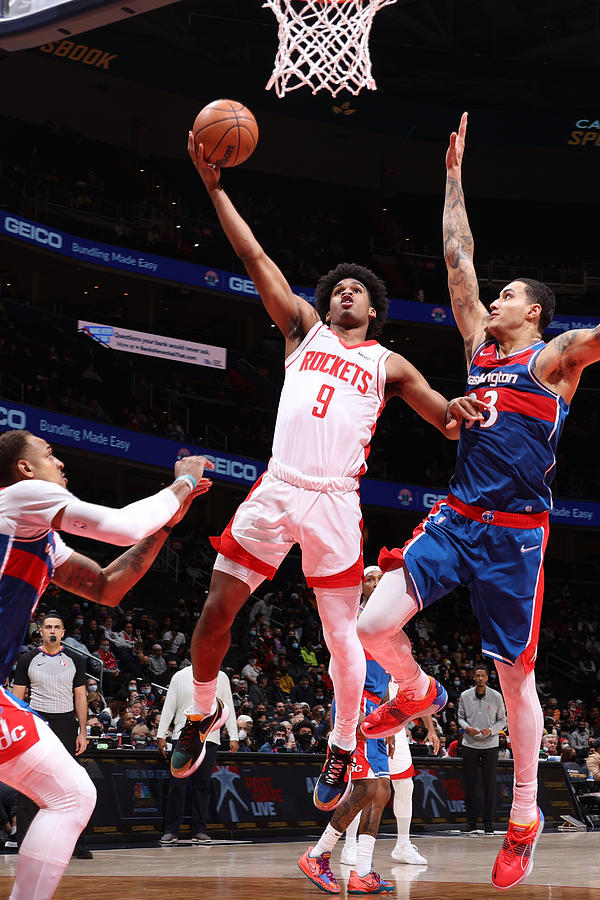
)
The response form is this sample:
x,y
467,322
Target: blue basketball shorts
x,y
498,556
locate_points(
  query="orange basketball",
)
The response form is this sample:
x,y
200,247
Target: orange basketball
x,y
227,130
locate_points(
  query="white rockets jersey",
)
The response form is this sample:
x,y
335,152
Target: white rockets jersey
x,y
329,405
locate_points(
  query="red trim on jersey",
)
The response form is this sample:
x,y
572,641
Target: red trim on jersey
x,y
27,567
394,558
408,773
530,652
353,346
289,361
487,360
371,696
351,577
526,403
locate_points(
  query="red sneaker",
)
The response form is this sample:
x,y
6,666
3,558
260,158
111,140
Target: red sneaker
x,y
317,868
392,716
370,884
515,860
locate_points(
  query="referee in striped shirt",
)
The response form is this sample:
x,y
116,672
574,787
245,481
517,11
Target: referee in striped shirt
x,y
55,676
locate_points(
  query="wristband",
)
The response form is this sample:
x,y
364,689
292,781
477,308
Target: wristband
x,y
190,480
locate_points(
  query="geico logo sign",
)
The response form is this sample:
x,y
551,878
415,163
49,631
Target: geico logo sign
x,y
430,500
234,468
33,232
8,737
242,285
14,418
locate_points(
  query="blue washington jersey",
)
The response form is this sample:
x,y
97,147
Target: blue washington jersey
x,y
507,462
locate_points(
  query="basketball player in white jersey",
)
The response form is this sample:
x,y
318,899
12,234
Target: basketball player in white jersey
x,y
34,501
337,380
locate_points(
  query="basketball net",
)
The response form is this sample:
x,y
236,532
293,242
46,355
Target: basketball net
x,y
323,44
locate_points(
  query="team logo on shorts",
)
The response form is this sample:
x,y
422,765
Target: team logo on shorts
x,y
488,515
405,497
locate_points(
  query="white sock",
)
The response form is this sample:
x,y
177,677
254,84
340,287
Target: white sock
x,y
204,698
326,842
352,833
364,854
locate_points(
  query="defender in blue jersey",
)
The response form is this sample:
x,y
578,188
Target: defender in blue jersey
x,y
34,501
490,533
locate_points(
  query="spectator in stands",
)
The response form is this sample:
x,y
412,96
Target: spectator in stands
x,y
579,737
275,693
568,758
251,670
110,667
245,736
258,693
262,608
302,692
307,652
276,743
157,664
286,682
593,760
304,734
125,724
240,695
550,747
172,640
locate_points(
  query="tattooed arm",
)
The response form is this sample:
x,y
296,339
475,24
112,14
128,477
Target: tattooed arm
x,y
469,312
84,577
564,358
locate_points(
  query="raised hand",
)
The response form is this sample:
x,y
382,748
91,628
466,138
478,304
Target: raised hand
x,y
456,148
209,174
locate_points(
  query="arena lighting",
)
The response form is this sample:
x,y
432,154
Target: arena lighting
x,y
29,23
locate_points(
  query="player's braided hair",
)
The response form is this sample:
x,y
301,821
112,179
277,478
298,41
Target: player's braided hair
x,y
538,292
12,449
374,285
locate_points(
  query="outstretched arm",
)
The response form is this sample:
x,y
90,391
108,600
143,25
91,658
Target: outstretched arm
x,y
403,380
469,311
293,316
84,577
564,358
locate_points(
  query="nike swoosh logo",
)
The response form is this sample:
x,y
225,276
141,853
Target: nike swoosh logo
x,y
525,549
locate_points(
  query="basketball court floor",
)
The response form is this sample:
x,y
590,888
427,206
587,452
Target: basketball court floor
x,y
567,867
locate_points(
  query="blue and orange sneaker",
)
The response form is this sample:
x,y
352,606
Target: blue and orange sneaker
x,y
369,884
318,870
515,860
190,749
392,716
335,781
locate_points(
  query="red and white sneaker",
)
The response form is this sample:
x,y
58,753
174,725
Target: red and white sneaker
x,y
392,716
515,860
370,884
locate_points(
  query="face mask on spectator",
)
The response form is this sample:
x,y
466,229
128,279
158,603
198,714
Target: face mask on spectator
x,y
146,691
295,645
79,620
304,740
242,733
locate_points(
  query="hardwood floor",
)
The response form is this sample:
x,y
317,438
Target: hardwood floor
x,y
567,867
